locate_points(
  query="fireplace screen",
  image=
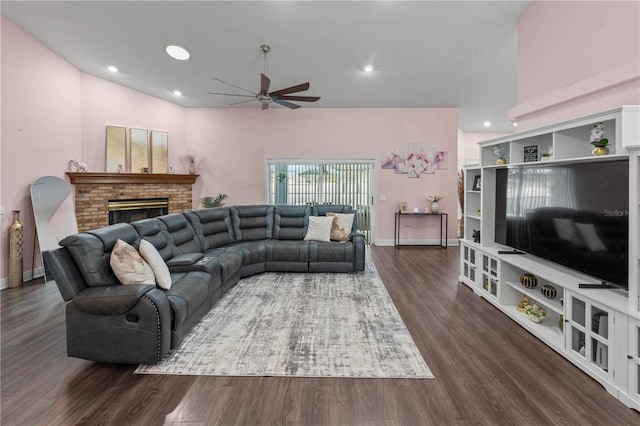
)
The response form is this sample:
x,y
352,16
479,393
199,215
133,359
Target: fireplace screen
x,y
128,211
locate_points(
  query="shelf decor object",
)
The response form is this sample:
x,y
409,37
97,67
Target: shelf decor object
x,y
15,251
549,291
598,140
498,151
528,280
536,313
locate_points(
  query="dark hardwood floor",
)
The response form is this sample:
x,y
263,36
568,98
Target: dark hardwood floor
x,y
488,370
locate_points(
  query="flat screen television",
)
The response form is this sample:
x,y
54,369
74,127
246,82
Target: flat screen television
x,y
576,215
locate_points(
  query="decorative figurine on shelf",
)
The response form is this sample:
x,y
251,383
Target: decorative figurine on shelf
x,y
77,166
171,170
598,140
524,301
120,168
476,235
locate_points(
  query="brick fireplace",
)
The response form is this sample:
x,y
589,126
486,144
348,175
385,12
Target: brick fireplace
x,y
93,191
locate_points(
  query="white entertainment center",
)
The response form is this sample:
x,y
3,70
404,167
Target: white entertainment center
x,y
598,330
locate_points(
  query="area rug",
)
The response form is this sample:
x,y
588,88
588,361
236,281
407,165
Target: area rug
x,y
295,324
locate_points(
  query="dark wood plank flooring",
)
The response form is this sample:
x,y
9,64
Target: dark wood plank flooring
x,y
488,370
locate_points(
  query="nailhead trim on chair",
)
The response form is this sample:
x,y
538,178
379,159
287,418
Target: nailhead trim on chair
x,y
155,308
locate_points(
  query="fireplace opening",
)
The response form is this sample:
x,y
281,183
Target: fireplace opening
x,y
128,211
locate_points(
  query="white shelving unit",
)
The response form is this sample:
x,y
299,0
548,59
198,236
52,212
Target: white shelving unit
x,y
597,330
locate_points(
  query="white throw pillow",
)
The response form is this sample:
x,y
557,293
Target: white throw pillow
x,y
160,269
129,266
341,229
319,228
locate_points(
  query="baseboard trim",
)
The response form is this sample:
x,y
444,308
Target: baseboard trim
x,y
26,276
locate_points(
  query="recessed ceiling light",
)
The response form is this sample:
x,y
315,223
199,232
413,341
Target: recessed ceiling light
x,y
368,68
112,68
487,124
177,93
515,124
178,52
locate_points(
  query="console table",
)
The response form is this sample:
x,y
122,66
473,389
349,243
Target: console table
x,y
444,220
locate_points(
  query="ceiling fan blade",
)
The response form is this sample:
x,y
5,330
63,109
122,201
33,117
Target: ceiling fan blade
x,y
300,98
233,85
265,106
243,102
285,103
231,94
299,88
264,84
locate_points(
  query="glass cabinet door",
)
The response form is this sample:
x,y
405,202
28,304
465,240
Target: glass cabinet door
x,y
588,333
490,275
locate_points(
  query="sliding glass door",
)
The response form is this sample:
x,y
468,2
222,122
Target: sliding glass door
x,y
324,182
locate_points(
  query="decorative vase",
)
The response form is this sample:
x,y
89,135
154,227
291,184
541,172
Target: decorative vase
x,y
600,150
548,291
192,168
15,251
528,280
434,207
501,161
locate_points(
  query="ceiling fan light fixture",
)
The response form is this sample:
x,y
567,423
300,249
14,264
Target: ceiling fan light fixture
x,y
178,52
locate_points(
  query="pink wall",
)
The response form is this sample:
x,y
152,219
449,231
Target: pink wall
x,y
576,58
105,103
233,145
468,149
41,129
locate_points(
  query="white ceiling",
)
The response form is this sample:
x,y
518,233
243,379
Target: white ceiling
x,y
425,53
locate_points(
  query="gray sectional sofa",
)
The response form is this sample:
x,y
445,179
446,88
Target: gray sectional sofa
x,y
207,252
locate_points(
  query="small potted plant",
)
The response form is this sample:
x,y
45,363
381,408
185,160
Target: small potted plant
x,y
498,151
209,202
598,140
535,312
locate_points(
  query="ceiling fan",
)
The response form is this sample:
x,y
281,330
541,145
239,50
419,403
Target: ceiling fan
x,y
280,97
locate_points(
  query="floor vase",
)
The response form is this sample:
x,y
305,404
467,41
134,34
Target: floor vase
x,y
15,251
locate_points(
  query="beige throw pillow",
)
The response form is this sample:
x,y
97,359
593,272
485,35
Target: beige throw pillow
x,y
319,228
341,230
160,269
129,266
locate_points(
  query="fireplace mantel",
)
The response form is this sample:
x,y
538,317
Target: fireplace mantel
x,y
130,178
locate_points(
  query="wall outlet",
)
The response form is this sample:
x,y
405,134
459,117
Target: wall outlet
x,y
383,198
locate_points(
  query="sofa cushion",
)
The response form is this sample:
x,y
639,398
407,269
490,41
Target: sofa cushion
x,y
291,222
189,291
323,209
91,251
155,261
287,251
341,228
230,263
213,226
129,266
149,229
319,228
180,234
252,223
